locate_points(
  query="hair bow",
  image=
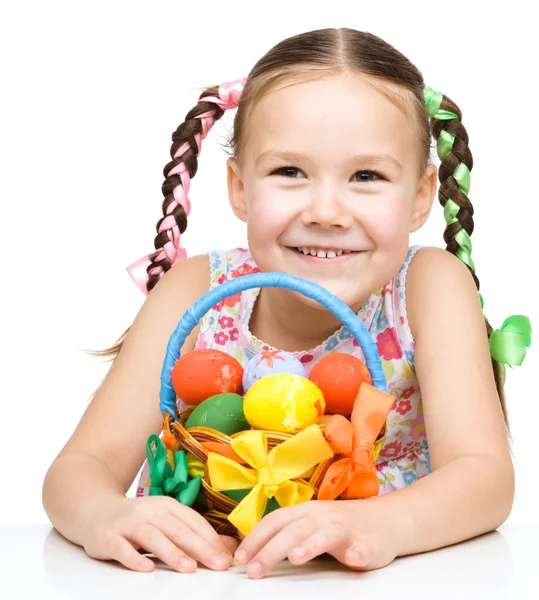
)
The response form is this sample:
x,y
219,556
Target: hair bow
x,y
229,94
355,475
508,344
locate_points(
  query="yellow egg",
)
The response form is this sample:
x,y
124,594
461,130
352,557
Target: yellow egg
x,y
283,402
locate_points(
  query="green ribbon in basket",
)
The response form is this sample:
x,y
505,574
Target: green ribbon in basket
x,y
166,481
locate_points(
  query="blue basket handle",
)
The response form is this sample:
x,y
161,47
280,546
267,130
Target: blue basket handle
x,y
191,317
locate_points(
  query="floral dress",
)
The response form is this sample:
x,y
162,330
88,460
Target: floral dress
x,y
404,455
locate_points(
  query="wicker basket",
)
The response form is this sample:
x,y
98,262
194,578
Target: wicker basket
x,y
219,505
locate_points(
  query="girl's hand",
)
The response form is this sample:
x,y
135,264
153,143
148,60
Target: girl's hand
x,y
356,532
174,533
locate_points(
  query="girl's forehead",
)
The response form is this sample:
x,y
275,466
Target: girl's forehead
x,y
340,113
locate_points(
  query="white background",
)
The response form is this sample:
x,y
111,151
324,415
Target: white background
x,y
91,93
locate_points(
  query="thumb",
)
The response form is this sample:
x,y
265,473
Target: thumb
x,y
357,554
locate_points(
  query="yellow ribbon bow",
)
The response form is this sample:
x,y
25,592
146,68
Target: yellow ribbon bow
x,y
271,474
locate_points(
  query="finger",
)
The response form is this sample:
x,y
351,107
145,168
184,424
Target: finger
x,y
196,546
230,543
198,524
356,555
118,548
330,539
153,540
264,531
280,545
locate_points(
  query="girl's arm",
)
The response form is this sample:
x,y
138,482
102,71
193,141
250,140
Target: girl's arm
x,y
107,449
471,488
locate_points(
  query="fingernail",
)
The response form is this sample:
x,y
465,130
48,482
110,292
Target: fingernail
x,y
255,569
147,565
241,556
221,560
186,564
353,557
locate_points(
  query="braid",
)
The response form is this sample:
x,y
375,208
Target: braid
x,y
186,146
454,174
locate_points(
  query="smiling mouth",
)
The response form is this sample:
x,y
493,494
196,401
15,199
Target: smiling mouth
x,y
329,253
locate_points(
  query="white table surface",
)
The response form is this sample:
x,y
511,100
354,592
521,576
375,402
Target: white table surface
x,y
37,562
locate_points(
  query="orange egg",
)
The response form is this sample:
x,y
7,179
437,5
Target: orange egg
x,y
339,376
203,373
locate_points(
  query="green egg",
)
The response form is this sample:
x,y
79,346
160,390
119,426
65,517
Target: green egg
x,y
222,412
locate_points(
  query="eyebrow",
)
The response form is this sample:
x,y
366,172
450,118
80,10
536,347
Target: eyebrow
x,y
373,159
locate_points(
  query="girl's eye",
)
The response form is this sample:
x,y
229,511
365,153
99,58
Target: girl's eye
x,y
378,175
286,172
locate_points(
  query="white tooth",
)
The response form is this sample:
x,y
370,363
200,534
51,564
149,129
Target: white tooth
x,y
331,254
306,251
321,254
339,252
312,252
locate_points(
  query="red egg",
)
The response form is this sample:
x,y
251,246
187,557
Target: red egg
x,y
339,376
200,374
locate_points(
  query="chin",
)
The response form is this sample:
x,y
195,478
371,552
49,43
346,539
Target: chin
x,y
341,290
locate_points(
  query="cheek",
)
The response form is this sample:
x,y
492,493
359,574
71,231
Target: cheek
x,y
268,217
390,225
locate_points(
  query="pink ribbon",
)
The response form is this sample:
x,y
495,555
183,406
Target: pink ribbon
x,y
229,95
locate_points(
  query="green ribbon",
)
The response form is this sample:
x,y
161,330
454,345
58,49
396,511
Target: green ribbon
x,y
433,101
462,237
508,344
165,481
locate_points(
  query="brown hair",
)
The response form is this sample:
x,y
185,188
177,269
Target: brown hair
x,y
322,53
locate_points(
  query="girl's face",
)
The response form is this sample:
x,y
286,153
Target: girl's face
x,y
305,185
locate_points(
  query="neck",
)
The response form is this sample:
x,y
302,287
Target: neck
x,y
280,319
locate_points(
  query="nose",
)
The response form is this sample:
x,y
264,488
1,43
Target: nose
x,y
326,210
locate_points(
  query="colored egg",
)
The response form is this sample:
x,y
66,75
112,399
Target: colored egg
x,y
339,376
283,402
223,412
200,374
269,363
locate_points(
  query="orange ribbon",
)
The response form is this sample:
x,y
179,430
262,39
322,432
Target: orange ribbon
x,y
355,475
222,449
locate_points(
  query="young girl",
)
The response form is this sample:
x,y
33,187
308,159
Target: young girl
x,y
331,173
